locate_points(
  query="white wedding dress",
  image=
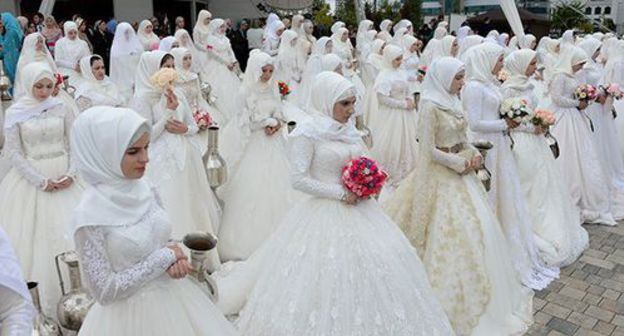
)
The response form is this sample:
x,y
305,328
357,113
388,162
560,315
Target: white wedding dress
x,y
482,102
124,269
259,193
559,236
331,268
579,161
35,221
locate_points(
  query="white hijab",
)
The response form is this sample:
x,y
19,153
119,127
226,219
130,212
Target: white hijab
x,y
375,57
166,44
567,60
99,140
437,84
200,26
184,75
147,40
100,92
10,271
286,49
330,62
297,24
337,25
467,43
439,33
481,61
271,19
616,55
590,45
30,54
185,41
216,39
272,30
340,46
407,24
148,65
328,89
363,28
397,39
71,47
388,73
462,33
516,63
125,42
526,41
27,106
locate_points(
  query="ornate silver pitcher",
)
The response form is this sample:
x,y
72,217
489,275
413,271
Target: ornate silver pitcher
x,y
5,83
483,173
206,91
552,143
44,325
216,168
367,136
199,243
67,87
75,304
291,126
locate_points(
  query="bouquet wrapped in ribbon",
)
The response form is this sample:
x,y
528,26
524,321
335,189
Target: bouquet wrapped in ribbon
x,y
202,119
612,90
586,92
164,78
284,90
543,118
516,109
363,177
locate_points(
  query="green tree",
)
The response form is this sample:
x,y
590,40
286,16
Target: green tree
x,y
320,13
411,10
568,16
345,12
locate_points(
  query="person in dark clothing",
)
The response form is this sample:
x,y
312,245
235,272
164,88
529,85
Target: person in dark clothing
x,y
102,41
240,45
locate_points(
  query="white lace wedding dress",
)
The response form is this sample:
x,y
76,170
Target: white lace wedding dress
x,y
446,216
34,220
332,268
259,193
559,236
124,269
579,161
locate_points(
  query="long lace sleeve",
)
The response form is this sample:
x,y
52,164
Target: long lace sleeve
x,y
558,94
16,314
390,101
473,99
452,161
107,285
187,114
13,147
68,122
266,47
302,152
83,103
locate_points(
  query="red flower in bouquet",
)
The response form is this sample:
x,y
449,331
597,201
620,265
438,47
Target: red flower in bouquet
x,y
202,119
208,47
284,90
59,79
585,92
363,177
422,70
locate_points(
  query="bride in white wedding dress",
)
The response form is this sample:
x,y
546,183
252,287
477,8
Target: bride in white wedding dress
x,y
121,233
444,212
337,265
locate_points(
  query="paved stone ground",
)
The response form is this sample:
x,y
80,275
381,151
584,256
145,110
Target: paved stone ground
x,y
588,297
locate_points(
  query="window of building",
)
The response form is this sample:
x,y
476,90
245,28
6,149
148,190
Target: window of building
x,y
588,10
598,10
607,10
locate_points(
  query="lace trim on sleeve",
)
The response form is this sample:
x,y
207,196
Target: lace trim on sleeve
x,y
302,152
13,147
558,94
83,103
105,284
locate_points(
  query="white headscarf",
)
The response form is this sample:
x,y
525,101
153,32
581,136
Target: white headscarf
x,y
481,61
462,33
328,89
443,48
166,44
330,62
27,106
100,92
388,73
181,35
439,33
286,49
30,54
526,41
616,55
99,140
201,30
66,42
363,28
148,65
339,46
384,30
517,63
590,45
492,36
397,39
184,75
385,25
297,24
216,39
503,40
269,21
437,84
572,56
466,44
125,41
598,36
10,271
251,78
148,41
375,57
407,24
337,25
407,42
272,30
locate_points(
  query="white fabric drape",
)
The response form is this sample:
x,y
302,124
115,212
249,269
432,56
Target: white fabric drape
x,y
513,17
46,7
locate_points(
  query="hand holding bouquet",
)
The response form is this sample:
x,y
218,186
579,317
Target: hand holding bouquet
x,y
202,119
164,78
363,177
612,90
284,90
502,75
585,92
515,109
543,119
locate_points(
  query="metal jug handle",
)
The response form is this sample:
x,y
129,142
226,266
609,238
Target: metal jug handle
x,y
213,289
58,271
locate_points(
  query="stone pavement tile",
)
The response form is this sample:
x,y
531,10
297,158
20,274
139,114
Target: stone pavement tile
x,y
593,279
563,326
556,310
591,269
538,330
578,284
595,253
581,275
585,332
595,289
542,318
598,262
599,313
567,302
619,331
611,294
604,328
592,299
582,320
612,284
555,333
538,304
611,305
572,292
618,320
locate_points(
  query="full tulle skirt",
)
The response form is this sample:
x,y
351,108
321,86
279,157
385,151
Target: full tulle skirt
x,y
333,269
36,223
225,87
162,307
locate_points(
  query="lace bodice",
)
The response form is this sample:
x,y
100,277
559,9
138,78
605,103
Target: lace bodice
x,y
410,64
117,261
393,90
43,137
482,103
192,92
531,97
264,108
562,90
316,165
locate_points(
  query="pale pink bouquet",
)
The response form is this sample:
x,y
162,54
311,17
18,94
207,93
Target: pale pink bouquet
x,y
164,78
612,90
502,75
543,118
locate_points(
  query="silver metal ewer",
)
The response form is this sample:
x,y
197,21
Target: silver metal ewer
x,y
67,87
206,91
5,83
291,125
44,325
200,243
483,173
367,136
74,305
216,168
